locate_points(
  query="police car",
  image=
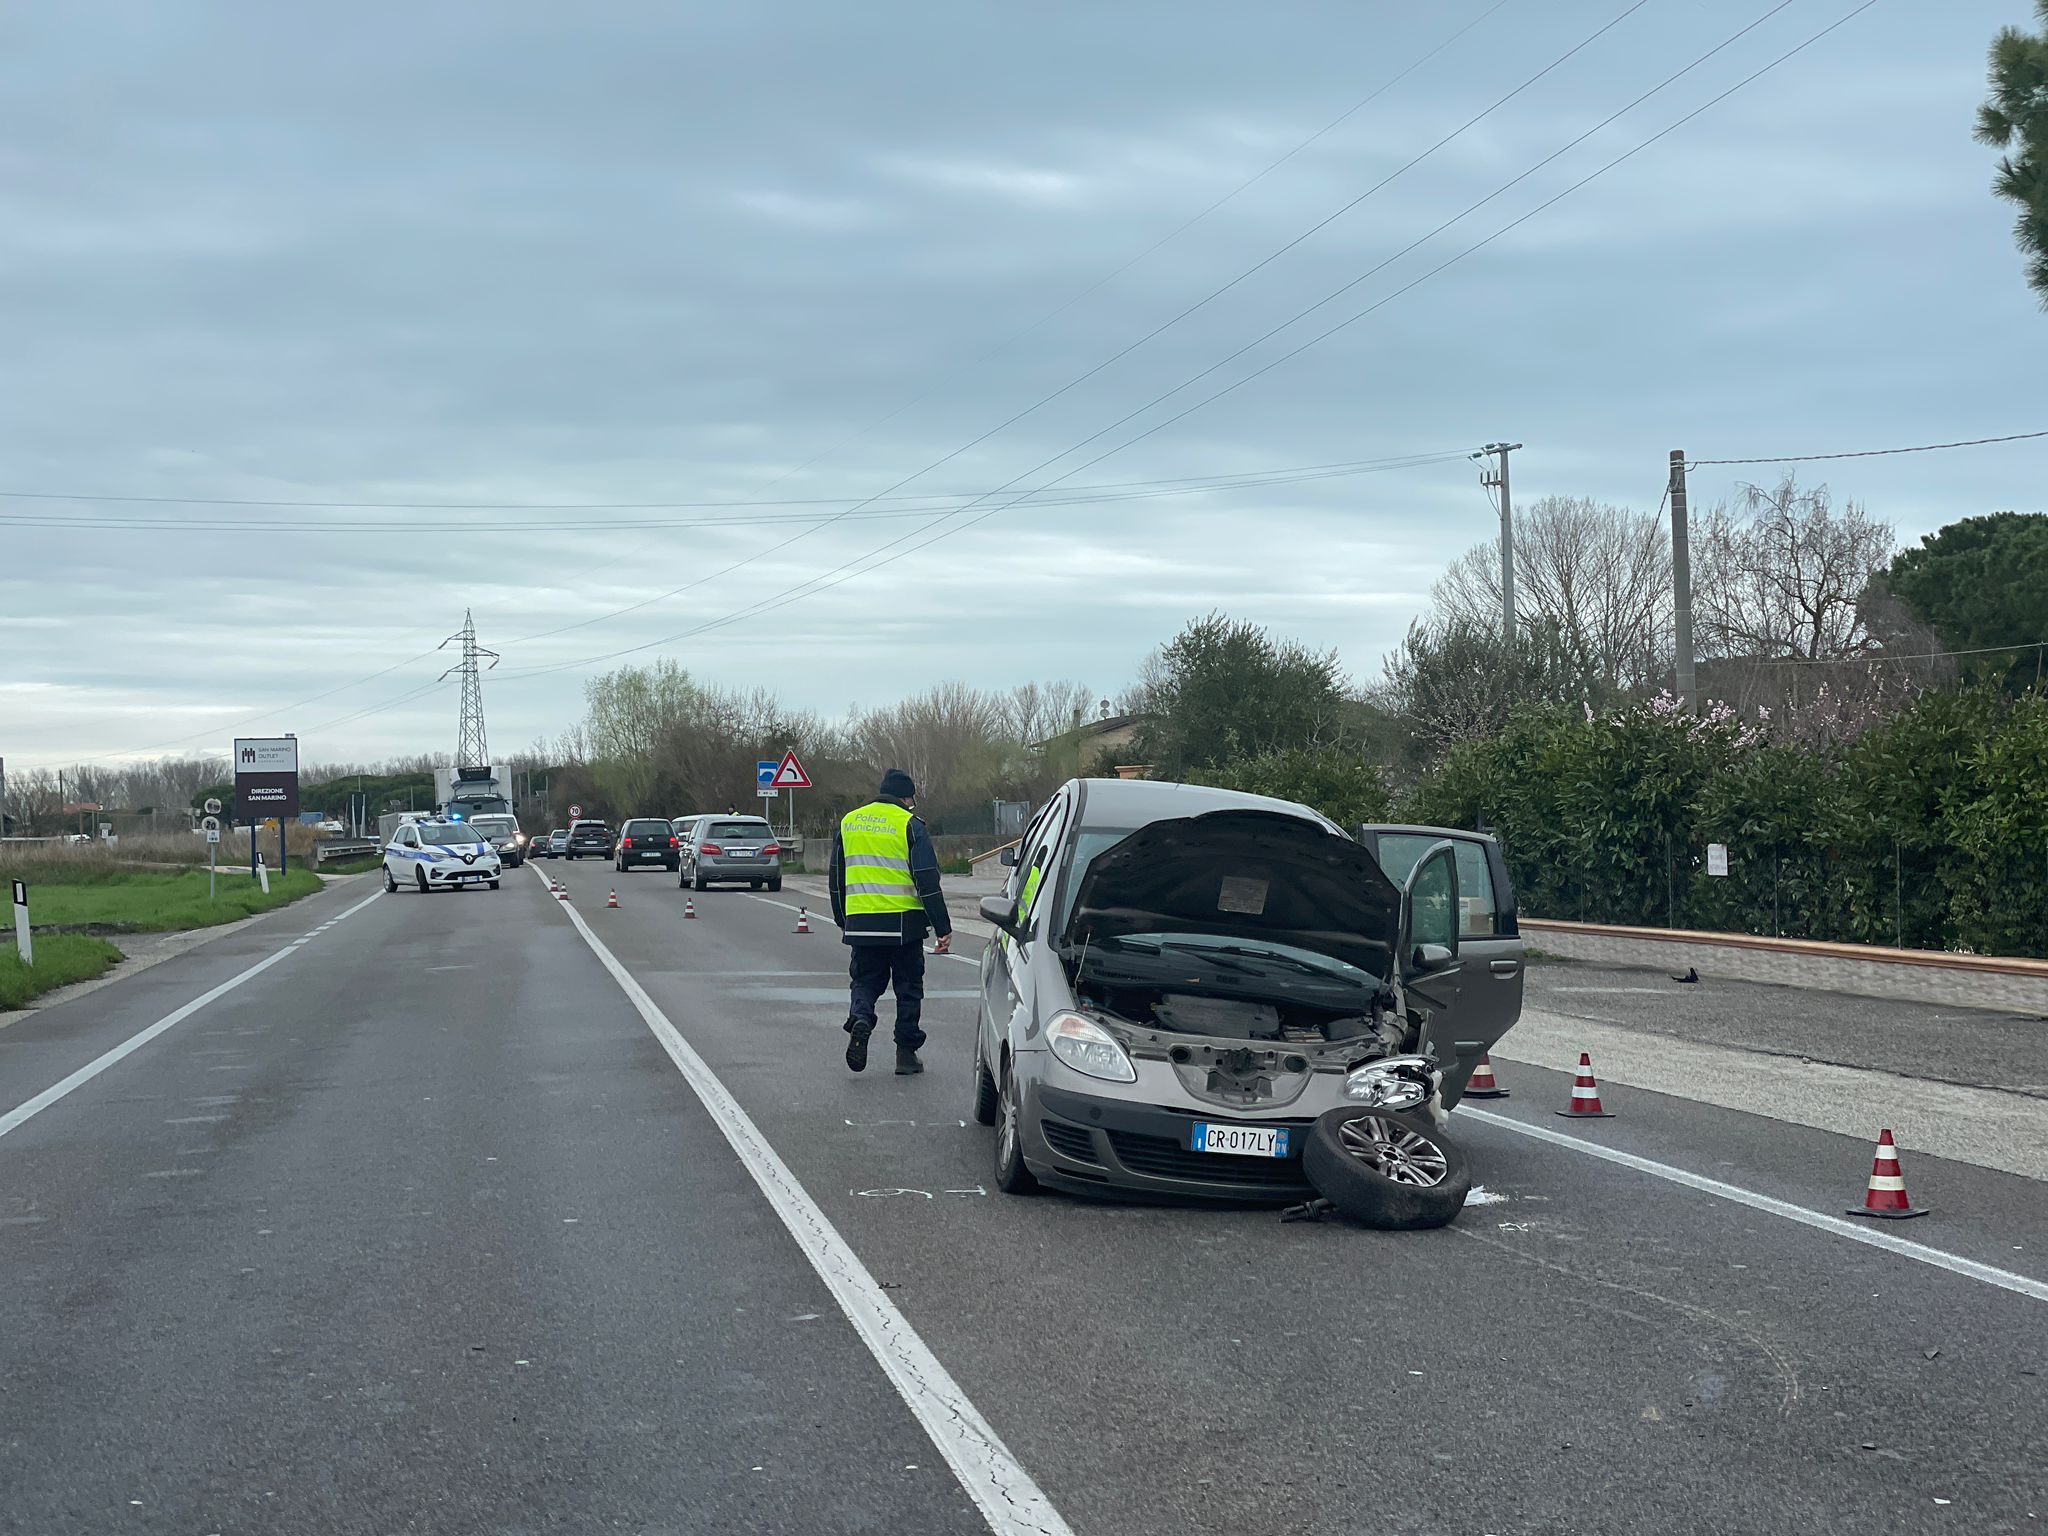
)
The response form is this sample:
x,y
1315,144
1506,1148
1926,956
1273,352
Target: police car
x,y
439,856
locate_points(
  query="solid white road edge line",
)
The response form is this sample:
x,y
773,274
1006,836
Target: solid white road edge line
x,y
21,1114
1011,1503
1955,1264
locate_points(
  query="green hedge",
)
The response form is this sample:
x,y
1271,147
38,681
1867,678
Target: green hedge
x,y
1930,830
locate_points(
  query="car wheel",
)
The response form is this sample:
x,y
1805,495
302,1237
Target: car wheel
x,y
1388,1169
421,876
774,885
492,884
699,882
1012,1177
986,1096
390,880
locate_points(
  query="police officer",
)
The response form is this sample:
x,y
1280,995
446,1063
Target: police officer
x,y
885,893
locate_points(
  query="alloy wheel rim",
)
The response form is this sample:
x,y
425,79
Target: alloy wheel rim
x,y
1396,1153
1009,1126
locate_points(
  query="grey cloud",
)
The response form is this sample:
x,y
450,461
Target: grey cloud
x,y
636,253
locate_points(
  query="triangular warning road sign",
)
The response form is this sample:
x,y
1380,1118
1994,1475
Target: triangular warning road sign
x,y
791,775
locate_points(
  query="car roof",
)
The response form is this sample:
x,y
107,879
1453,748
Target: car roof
x,y
1138,802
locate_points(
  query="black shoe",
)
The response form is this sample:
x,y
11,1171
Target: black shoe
x,y
857,1043
907,1064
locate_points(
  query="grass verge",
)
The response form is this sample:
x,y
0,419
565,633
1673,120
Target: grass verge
x,y
364,865
61,959
156,900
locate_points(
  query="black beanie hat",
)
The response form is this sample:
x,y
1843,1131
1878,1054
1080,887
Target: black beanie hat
x,y
896,785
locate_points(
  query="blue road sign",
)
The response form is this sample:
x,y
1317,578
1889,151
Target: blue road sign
x,y
764,773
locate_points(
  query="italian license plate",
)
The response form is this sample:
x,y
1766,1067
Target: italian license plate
x,y
1241,1140
739,853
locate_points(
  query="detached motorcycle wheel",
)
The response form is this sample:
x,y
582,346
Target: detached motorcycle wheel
x,y
1388,1169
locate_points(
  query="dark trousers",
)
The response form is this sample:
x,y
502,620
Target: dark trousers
x,y
875,968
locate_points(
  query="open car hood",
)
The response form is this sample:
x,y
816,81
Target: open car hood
x,y
1250,874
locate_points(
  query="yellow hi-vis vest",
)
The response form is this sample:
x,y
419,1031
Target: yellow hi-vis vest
x,y
876,842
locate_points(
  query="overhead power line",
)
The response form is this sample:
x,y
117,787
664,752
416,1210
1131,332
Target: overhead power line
x,y
834,576
1875,658
849,569
1109,492
1871,453
1115,357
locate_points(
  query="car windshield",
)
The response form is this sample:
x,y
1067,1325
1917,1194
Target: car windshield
x,y
1089,845
495,826
451,836
743,831
647,829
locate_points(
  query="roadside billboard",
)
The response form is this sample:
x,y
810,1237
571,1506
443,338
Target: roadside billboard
x,y
266,777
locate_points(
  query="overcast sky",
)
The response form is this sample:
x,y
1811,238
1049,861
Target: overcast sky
x,y
796,253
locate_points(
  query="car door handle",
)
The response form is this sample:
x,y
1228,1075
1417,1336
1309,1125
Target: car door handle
x,y
1505,967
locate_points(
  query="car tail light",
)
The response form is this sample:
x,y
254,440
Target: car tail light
x,y
713,849
770,850
627,843
675,842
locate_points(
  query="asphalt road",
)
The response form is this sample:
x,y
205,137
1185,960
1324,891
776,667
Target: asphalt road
x,y
424,1228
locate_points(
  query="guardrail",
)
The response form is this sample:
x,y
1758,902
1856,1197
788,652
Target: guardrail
x,y
344,848
1863,970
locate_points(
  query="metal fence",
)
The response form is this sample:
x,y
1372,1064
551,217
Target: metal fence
x,y
1882,891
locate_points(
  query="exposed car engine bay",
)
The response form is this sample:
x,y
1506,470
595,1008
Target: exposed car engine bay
x,y
1244,1052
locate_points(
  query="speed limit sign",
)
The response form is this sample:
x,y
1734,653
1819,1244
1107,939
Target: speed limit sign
x,y
575,811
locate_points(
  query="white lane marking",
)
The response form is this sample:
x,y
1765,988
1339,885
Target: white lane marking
x,y
828,923
1955,1264
1011,1503
21,1114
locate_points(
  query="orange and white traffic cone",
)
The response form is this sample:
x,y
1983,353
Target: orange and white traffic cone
x,y
1886,1196
1484,1085
614,899
803,921
1585,1094
689,906
562,893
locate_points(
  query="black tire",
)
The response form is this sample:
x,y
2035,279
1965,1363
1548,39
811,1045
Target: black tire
x,y
492,884
420,875
1392,1170
774,885
390,880
698,881
986,1094
1012,1177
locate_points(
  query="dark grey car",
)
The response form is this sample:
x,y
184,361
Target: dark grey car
x,y
1186,978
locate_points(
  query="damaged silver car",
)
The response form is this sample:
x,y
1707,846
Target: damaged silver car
x,y
1187,982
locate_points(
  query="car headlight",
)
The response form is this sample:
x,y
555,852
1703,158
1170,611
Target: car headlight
x,y
1399,1082
1087,1047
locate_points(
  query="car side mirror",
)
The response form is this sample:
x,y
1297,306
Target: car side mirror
x,y
1431,957
1000,913
1007,858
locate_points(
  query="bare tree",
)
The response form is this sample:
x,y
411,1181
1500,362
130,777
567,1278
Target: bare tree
x,y
1783,576
1599,574
1031,712
1454,680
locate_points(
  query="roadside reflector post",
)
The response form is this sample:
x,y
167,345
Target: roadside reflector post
x,y
22,941
263,873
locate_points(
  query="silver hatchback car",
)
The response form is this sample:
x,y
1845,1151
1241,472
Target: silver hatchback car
x,y
1185,979
732,850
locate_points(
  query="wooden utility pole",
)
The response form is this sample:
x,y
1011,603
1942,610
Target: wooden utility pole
x,y
1681,584
1498,479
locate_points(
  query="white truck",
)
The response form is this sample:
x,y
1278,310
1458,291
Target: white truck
x,y
484,790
